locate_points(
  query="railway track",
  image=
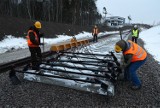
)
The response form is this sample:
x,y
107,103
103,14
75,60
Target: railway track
x,y
78,68
7,66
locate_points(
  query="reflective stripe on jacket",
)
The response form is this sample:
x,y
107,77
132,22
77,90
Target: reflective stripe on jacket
x,y
135,33
95,31
138,52
30,44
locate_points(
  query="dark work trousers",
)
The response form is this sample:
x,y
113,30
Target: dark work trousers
x,y
134,39
36,56
130,72
95,38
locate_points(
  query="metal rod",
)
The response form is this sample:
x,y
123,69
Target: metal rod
x,y
73,56
73,67
74,61
71,72
83,62
94,75
53,76
86,54
115,59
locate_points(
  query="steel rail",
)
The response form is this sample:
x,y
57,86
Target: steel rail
x,y
54,76
75,56
7,66
86,54
71,72
82,62
73,67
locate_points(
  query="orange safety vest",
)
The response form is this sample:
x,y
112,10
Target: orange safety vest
x,y
95,31
138,52
30,44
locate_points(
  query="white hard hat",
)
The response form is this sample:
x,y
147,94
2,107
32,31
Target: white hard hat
x,y
135,26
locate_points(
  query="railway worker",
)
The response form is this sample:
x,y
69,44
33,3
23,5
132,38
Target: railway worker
x,y
134,57
95,33
33,40
135,34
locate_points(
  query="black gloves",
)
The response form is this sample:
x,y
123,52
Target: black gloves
x,y
41,43
41,35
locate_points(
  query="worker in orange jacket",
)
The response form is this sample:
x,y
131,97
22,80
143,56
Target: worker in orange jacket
x,y
33,40
134,57
95,33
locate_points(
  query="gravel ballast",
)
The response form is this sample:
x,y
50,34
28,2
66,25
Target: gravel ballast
x,y
31,94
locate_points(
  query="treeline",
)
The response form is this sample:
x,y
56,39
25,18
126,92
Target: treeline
x,y
77,12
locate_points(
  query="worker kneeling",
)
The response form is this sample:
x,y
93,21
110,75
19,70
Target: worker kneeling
x,y
134,57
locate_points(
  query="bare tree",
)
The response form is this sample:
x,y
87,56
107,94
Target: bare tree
x,y
79,12
28,9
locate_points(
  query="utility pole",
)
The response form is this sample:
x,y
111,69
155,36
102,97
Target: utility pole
x,y
105,11
129,18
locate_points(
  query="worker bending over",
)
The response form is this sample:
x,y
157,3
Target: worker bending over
x,y
134,57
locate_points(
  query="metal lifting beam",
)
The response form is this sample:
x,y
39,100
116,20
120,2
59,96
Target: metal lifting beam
x,y
78,53
108,88
71,72
73,67
75,56
46,75
92,63
112,72
13,74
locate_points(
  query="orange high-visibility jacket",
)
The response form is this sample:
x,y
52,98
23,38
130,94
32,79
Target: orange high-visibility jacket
x,y
95,31
138,52
30,44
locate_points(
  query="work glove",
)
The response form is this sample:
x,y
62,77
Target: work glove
x,y
41,43
41,35
123,65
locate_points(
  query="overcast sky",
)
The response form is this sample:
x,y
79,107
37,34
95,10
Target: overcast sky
x,y
141,11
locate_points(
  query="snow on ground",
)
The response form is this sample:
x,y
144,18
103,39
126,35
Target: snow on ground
x,y
11,43
151,38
